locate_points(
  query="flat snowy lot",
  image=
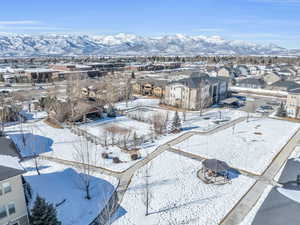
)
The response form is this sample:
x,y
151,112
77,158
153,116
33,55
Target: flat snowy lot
x,y
138,102
97,127
178,196
57,183
250,146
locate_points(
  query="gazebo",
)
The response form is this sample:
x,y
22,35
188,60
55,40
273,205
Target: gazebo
x,y
214,171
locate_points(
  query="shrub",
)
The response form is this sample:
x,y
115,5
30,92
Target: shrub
x,y
116,160
104,155
134,156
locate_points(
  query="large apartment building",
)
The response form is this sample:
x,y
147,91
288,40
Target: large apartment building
x,y
198,91
13,209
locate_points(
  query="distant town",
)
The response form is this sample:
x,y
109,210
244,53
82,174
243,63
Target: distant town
x,y
168,140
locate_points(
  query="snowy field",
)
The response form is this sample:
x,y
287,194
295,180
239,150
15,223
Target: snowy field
x,y
250,146
60,184
191,120
178,196
98,127
137,102
40,138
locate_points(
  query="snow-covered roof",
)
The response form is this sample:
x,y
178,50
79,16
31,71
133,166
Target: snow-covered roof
x,y
39,71
9,160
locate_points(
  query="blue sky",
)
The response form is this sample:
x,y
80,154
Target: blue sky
x,y
262,21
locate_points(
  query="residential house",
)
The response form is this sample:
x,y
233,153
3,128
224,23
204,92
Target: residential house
x,y
271,77
242,70
39,75
150,86
293,103
251,83
227,72
254,70
283,85
13,208
197,91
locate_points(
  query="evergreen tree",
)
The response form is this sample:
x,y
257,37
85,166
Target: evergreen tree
x,y
43,213
176,124
281,111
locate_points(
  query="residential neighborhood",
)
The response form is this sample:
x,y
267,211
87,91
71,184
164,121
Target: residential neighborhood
x,y
150,112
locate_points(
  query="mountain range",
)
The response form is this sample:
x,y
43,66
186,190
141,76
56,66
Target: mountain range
x,y
13,45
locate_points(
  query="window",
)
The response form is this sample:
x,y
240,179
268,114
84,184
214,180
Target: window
x,y
6,188
3,212
11,208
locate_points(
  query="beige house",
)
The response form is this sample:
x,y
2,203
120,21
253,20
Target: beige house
x,y
226,72
271,78
150,87
293,103
13,209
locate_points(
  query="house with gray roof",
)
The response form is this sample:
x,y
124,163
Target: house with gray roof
x,y
13,208
283,85
242,70
251,83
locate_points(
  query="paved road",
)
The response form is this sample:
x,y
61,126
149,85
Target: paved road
x,y
243,207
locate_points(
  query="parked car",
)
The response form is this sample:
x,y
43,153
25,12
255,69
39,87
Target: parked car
x,y
273,103
266,107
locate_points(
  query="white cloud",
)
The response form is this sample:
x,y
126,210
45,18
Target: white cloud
x,y
20,22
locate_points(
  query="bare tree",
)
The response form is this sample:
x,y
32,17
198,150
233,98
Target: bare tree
x,y
85,156
34,150
147,196
160,122
128,90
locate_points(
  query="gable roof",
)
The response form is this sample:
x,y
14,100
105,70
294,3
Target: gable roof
x,y
9,160
253,81
287,84
196,78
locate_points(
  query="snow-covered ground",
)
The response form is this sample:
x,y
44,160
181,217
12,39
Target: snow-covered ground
x,y
178,196
250,146
260,91
98,127
137,102
60,184
34,115
40,138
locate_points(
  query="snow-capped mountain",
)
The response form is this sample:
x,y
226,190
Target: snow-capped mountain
x,y
129,44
